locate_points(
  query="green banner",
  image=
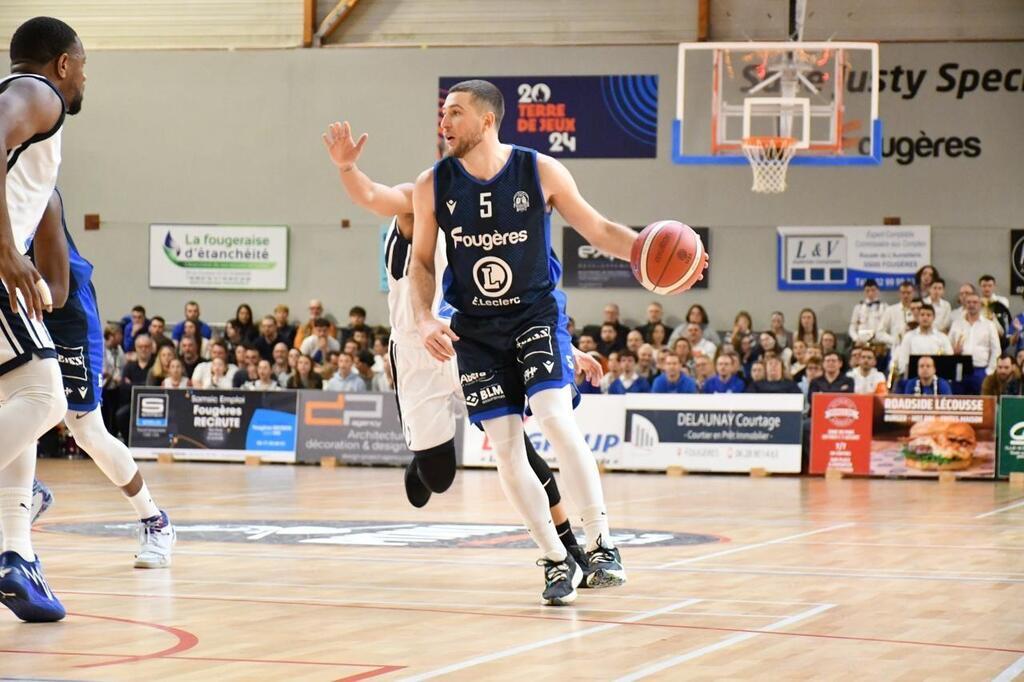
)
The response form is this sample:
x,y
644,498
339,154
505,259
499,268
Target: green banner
x,y
1011,435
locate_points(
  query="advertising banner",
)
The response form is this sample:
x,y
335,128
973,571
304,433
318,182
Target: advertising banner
x,y
586,266
1011,435
218,257
911,435
577,117
842,258
1017,262
213,425
721,432
600,418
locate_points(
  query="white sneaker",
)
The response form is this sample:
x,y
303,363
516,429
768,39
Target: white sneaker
x,y
156,538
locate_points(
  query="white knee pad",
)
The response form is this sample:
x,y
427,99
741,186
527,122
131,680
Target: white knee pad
x,y
553,410
111,455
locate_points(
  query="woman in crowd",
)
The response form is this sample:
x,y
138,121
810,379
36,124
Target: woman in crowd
x,y
232,335
799,356
756,374
923,279
176,375
769,342
749,353
659,336
265,380
741,327
246,327
808,331
190,328
829,342
778,327
218,376
697,314
776,379
304,376
161,369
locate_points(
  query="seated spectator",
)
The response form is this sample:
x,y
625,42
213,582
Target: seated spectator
x,y
703,371
114,360
867,315
611,371
136,371
628,381
812,371
610,340
157,329
832,380
584,386
778,328
189,354
725,380
798,357
742,325
316,311
684,352
249,371
767,341
330,367
646,364
350,347
381,344
634,340
587,343
924,277
356,322
897,319
748,354
659,336
866,377
232,336
384,381
829,343
672,380
926,383
132,325
936,299
346,379
280,367
698,344
204,370
756,372
362,337
1016,385
320,343
923,340
610,315
268,338
192,331
775,380
239,354
987,285
161,369
285,328
655,313
191,313
808,330
176,376
265,379
364,367
246,325
219,376
304,376
998,381
695,315
812,353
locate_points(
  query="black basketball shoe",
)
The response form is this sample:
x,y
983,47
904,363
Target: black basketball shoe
x,y
605,566
560,580
415,490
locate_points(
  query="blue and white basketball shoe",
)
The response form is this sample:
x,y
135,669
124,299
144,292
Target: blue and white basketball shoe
x,y
24,591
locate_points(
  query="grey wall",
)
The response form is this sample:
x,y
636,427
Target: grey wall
x,y
234,137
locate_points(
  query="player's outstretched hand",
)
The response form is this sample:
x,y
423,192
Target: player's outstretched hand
x,y
437,338
590,367
17,273
344,151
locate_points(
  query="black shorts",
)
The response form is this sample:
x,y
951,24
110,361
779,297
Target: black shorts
x,y
503,360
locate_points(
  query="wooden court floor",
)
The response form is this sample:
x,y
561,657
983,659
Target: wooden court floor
x,y
302,573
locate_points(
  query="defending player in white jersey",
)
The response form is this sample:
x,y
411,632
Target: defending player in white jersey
x,y
47,81
429,392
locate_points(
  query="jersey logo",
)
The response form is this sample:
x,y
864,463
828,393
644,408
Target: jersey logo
x,y
521,201
493,276
451,206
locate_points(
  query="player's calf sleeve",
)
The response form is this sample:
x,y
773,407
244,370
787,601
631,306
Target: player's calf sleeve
x,y
31,403
553,410
544,474
436,466
520,484
111,455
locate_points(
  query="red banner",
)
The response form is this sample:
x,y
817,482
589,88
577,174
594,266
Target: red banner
x,y
841,432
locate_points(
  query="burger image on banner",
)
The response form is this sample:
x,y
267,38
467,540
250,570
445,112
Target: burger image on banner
x,y
935,445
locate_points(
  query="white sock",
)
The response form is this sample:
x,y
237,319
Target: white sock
x,y
521,486
143,503
553,410
16,521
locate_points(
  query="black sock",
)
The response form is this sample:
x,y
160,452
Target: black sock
x,y
564,531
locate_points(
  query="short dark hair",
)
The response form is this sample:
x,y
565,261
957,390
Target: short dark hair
x,y
986,278
870,282
485,92
832,352
139,309
365,357
588,335
41,40
627,353
939,280
928,306
917,299
357,310
158,318
321,322
906,283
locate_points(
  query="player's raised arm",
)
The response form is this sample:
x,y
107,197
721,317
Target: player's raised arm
x,y
50,246
437,337
375,197
562,193
27,108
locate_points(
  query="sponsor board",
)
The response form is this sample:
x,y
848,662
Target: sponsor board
x,y
721,432
904,435
586,266
379,534
213,425
576,117
842,258
218,257
1011,435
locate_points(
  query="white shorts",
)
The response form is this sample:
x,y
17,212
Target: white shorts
x,y
20,336
429,395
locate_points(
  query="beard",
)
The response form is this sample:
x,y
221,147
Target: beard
x,y
466,145
75,105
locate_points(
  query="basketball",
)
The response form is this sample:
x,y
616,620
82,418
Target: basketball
x,y
668,257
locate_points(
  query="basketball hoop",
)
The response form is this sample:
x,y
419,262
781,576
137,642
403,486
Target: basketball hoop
x,y
769,158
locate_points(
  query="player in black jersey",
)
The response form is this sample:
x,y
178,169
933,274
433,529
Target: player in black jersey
x,y
494,203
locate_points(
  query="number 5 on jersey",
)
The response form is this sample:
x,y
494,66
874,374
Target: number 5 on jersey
x,y
485,205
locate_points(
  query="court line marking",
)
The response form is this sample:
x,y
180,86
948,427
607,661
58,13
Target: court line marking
x,y
186,640
1011,673
717,646
1000,510
756,545
541,643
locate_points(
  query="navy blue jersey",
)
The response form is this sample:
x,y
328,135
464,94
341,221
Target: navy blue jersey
x,y
498,236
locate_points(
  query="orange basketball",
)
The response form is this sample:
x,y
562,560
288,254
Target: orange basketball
x,y
668,257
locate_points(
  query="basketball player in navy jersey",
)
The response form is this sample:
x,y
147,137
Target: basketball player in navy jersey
x,y
493,202
428,391
47,82
77,334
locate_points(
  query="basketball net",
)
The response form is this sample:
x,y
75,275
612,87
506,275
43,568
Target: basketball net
x,y
769,158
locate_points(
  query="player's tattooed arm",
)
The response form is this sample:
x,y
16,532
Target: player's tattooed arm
x,y
437,337
51,251
375,197
27,108
564,196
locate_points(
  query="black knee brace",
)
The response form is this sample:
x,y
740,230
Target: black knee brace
x,y
543,471
436,466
